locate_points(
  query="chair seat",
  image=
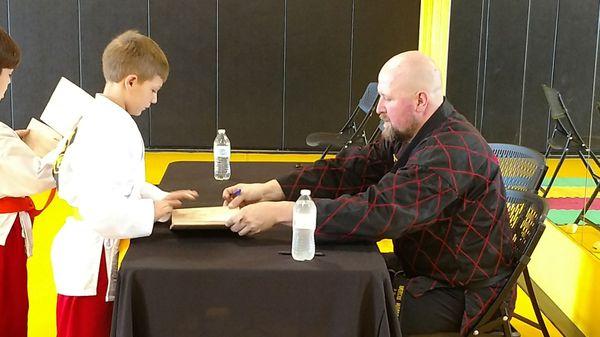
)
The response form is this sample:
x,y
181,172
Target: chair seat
x,y
559,144
327,138
515,333
437,334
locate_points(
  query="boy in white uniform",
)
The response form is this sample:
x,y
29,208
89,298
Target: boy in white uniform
x,y
102,174
22,173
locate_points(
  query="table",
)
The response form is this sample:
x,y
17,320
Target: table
x,y
215,283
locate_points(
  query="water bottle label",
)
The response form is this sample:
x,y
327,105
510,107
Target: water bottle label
x,y
222,151
304,221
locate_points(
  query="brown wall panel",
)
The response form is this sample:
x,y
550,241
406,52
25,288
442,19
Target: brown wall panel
x,y
522,45
317,68
101,21
269,71
186,113
507,37
464,52
49,51
250,80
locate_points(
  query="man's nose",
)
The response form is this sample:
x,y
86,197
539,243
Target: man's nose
x,y
380,108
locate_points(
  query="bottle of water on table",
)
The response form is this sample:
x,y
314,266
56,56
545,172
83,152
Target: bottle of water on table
x,y
304,221
222,156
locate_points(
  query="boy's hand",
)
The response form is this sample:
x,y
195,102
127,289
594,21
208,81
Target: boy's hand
x,y
164,208
182,195
22,133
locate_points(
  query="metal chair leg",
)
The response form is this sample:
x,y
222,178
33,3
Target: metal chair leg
x,y
534,303
588,204
555,173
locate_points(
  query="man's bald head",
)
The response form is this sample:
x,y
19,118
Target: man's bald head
x,y
410,88
412,71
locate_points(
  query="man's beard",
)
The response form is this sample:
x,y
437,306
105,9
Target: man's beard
x,y
391,134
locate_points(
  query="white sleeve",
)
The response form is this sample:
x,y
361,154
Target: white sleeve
x,y
98,179
22,173
150,191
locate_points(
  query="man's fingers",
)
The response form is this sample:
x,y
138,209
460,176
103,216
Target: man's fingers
x,y
233,219
232,196
229,192
236,227
246,230
236,202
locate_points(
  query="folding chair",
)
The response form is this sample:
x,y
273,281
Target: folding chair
x,y
527,213
352,131
567,140
522,168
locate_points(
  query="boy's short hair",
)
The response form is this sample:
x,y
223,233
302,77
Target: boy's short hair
x,y
10,53
134,53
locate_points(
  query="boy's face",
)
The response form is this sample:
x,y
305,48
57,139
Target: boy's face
x,y
140,95
5,80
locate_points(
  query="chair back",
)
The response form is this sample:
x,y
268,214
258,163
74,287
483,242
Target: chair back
x,y
354,131
560,114
522,168
527,212
369,98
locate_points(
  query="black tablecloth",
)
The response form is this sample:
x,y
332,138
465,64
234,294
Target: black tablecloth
x,y
215,283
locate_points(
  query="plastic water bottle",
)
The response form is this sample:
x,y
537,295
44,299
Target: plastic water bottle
x,y
304,221
222,156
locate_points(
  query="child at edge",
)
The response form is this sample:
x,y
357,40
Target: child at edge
x,y
102,175
22,173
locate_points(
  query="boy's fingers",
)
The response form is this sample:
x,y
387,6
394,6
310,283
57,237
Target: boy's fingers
x,y
22,133
174,203
189,195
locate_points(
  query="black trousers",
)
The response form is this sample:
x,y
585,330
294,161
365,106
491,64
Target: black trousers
x,y
438,310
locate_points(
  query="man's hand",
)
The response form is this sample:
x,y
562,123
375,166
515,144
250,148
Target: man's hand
x,y
259,217
22,133
241,195
182,195
164,207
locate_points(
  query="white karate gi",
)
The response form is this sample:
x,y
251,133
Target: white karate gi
x,y
102,174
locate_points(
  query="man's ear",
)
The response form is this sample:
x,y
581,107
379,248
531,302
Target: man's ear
x,y
130,80
422,101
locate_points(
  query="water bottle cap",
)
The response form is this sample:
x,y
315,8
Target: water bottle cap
x,y
304,192
221,131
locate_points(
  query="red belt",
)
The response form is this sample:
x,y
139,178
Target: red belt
x,y
23,204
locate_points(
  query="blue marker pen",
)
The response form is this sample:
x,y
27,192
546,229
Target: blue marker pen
x,y
237,192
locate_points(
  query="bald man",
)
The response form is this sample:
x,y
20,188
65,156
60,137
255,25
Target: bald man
x,y
431,183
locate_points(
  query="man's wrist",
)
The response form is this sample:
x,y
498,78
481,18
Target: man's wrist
x,y
273,191
285,210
